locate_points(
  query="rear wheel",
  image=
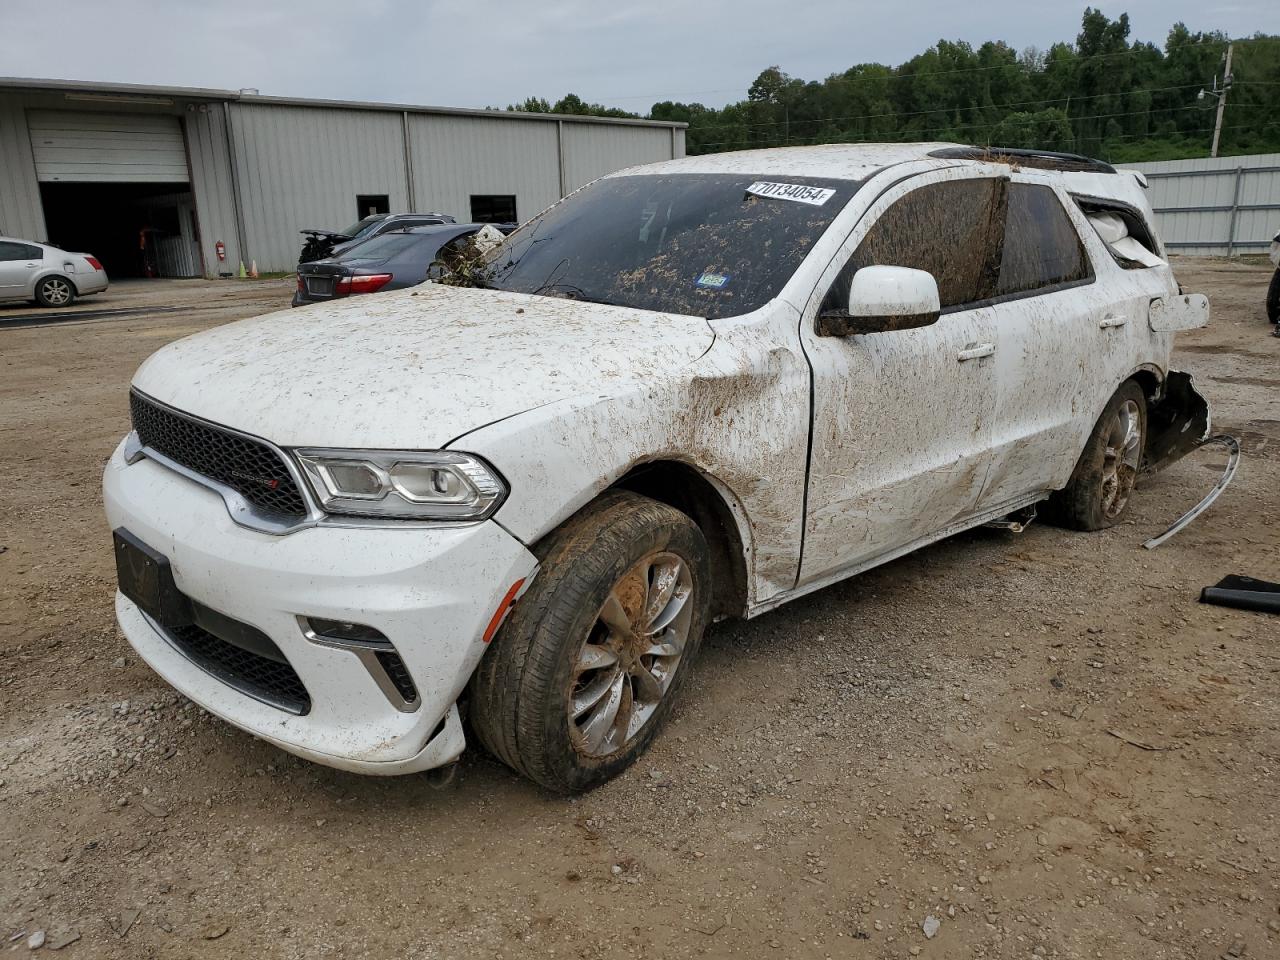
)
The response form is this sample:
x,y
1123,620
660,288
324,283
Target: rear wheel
x,y
1104,477
55,292
1273,298
586,669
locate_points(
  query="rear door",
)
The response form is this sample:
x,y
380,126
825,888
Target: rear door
x,y
901,433
1044,323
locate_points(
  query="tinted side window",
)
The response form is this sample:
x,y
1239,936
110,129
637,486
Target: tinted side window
x,y
18,251
1041,246
951,229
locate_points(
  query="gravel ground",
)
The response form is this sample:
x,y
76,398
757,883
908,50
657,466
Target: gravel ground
x,y
1001,746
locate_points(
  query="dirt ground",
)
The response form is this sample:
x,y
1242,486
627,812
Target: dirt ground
x,y
1041,741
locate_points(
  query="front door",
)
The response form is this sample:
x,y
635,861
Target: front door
x,y
901,429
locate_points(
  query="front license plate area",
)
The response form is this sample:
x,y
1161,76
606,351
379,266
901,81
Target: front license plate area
x,y
146,578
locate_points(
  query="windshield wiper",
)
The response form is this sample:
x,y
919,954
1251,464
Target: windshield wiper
x,y
573,292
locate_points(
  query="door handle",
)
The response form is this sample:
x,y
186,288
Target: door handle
x,y
1112,320
976,351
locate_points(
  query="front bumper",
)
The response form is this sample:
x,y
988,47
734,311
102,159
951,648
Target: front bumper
x,y
431,589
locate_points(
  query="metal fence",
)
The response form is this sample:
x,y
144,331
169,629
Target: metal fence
x,y
1221,207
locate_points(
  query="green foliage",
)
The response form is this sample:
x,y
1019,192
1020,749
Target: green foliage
x,y
1102,95
570,103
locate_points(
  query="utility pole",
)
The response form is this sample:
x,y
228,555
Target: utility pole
x,y
1222,102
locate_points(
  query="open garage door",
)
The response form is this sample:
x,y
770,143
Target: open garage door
x,y
116,185
72,147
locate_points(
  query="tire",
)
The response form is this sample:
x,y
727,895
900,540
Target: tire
x,y
1102,483
1273,298
55,291
553,653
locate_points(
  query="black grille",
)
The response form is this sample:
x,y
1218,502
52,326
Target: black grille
x,y
398,673
252,469
271,681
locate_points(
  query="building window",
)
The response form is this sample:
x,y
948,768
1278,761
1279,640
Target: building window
x,y
493,208
369,203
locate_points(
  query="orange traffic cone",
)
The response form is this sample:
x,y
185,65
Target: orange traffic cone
x,y
253,269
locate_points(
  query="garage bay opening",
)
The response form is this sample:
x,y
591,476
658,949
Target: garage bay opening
x,y
117,185
135,229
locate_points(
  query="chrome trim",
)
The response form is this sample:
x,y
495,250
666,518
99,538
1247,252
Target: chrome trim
x,y
245,514
241,510
133,450
367,653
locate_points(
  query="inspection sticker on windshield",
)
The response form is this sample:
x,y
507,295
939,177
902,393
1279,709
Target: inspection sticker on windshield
x,y
712,281
796,192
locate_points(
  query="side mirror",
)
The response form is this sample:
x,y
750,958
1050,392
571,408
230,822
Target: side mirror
x,y
882,299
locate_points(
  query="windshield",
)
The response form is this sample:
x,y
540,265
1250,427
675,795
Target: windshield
x,y
710,245
363,226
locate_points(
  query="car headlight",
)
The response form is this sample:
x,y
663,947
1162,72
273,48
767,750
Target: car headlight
x,y
404,485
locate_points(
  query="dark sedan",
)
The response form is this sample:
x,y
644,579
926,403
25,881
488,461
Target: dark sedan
x,y
389,261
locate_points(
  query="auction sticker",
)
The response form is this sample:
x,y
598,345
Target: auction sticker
x,y
796,192
712,281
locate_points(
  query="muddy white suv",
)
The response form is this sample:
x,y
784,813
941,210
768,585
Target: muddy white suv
x,y
695,389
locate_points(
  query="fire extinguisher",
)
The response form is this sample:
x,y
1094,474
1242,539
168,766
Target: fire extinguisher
x,y
221,249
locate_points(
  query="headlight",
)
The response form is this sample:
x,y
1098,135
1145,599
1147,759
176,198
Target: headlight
x,y
403,485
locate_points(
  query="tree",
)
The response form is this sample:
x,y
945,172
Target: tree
x,y
1104,94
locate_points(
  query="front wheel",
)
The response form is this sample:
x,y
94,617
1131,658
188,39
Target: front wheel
x,y
55,292
585,670
1104,477
1273,298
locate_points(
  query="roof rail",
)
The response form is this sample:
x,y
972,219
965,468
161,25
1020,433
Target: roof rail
x,y
1035,159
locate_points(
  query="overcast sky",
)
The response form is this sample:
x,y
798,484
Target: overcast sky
x,y
494,52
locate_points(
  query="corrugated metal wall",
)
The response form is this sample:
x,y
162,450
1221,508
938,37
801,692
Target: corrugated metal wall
x,y
455,157
1222,206
211,183
301,167
20,211
262,170
592,150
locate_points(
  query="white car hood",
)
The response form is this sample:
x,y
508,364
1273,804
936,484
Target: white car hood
x,y
413,369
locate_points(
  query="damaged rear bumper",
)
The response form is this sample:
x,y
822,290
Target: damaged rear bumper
x,y
1177,422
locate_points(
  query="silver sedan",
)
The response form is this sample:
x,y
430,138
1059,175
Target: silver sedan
x,y
45,274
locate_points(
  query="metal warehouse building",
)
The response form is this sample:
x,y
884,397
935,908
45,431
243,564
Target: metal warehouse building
x,y
172,175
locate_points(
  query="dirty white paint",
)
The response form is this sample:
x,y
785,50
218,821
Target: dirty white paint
x,y
903,436
1188,311
415,368
429,588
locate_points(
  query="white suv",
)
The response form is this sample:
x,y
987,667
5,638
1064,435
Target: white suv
x,y
689,390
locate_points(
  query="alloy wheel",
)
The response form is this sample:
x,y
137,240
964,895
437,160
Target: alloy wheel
x,y
56,292
1121,458
630,656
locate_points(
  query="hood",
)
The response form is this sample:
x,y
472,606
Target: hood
x,y
414,369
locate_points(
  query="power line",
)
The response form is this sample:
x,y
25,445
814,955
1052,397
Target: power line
x,y
996,123
921,113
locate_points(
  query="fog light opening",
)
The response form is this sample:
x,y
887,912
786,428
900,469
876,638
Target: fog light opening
x,y
345,633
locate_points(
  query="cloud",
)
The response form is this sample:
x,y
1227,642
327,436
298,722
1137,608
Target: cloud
x,y
494,52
